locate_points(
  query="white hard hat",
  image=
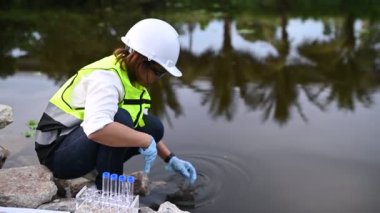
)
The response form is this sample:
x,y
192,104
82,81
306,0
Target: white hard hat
x,y
157,40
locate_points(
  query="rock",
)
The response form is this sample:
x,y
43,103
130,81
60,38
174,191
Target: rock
x,y
6,115
26,186
34,187
69,188
64,204
145,209
168,207
4,153
91,176
142,184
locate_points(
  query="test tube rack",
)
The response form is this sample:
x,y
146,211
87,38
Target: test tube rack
x,y
91,200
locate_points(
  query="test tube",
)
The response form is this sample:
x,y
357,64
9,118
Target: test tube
x,y
105,188
105,183
121,185
130,183
121,196
114,184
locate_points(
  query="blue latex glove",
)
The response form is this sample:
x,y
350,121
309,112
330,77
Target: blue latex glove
x,y
150,155
182,167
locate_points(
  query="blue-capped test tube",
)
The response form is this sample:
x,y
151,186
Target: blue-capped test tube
x,y
121,192
130,183
113,184
121,185
105,184
105,188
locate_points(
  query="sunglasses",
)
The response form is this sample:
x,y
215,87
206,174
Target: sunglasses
x,y
158,72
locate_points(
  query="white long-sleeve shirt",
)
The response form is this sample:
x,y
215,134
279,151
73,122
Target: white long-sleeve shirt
x,y
99,93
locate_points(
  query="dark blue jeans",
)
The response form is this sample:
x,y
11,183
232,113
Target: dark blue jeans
x,y
77,155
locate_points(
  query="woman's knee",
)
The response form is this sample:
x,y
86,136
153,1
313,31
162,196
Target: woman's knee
x,y
123,116
153,126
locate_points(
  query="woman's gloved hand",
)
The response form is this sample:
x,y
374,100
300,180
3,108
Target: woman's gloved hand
x,y
182,167
150,155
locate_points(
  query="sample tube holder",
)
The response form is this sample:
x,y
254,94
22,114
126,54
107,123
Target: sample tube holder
x,y
91,200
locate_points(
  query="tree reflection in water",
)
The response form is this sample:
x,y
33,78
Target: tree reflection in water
x,y
274,86
343,69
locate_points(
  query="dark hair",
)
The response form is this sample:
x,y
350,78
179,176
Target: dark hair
x,y
129,61
121,55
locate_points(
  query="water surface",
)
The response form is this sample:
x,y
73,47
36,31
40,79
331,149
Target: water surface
x,y
328,164
279,112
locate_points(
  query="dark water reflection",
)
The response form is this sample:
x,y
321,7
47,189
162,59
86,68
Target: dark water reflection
x,y
278,112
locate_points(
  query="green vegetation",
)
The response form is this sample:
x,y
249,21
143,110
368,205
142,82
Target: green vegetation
x,y
32,125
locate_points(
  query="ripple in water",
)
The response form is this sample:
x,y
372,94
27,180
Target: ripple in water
x,y
217,177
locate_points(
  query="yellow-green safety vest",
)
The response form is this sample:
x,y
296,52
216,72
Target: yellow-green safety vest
x,y
60,117
136,98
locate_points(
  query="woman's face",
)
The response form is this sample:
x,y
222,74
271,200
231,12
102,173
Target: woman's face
x,y
149,72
